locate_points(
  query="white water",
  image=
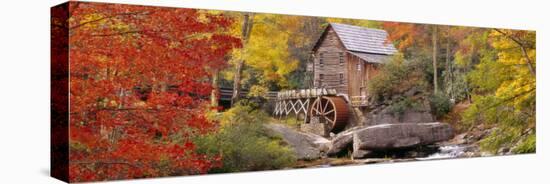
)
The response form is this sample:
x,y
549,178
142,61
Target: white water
x,y
450,151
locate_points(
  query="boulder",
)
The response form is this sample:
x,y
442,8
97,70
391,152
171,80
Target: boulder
x,y
384,114
342,141
306,146
398,136
412,92
360,154
314,127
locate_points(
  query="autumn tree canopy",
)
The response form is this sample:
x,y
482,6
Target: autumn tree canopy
x,y
143,81
493,70
139,82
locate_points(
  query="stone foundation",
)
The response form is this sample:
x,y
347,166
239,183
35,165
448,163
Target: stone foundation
x,y
316,126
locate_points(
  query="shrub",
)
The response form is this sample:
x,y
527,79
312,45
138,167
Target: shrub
x,y
528,145
511,124
293,122
391,74
440,104
509,137
257,91
502,137
398,108
244,144
455,85
397,76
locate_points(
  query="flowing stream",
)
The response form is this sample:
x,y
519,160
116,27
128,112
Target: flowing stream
x,y
448,151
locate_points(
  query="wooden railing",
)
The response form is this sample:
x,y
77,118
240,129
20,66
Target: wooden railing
x,y
305,93
358,101
227,93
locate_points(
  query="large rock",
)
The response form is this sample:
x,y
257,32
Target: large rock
x,y
384,114
342,141
403,135
389,136
307,146
360,154
321,129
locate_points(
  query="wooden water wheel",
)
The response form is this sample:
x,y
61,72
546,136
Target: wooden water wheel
x,y
332,110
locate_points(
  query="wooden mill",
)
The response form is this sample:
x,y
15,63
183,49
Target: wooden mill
x,y
345,58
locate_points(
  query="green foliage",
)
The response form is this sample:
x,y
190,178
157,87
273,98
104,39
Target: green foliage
x,y
292,122
455,84
397,76
528,145
478,112
390,76
504,88
399,107
440,104
244,144
500,138
494,69
510,122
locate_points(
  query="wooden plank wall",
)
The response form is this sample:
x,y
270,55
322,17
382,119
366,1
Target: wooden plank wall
x,y
354,80
355,75
330,48
358,79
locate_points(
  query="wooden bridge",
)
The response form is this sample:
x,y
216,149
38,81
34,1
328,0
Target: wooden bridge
x,y
226,93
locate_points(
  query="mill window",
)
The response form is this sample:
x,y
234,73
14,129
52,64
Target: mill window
x,y
321,77
341,58
321,58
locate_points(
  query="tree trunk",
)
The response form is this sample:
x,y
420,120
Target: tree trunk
x,y
237,83
215,91
449,76
434,57
246,29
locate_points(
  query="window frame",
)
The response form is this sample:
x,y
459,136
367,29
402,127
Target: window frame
x,y
341,58
321,59
321,78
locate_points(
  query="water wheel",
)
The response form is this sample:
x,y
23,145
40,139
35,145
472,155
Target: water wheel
x,y
332,110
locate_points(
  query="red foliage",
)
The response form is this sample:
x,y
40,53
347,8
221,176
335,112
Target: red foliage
x,y
406,34
139,78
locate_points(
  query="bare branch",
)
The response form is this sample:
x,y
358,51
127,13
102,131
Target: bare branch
x,y
118,33
108,17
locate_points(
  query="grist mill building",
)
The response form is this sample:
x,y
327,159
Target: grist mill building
x,y
345,57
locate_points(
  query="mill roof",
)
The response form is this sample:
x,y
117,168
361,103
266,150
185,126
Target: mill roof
x,y
366,43
362,39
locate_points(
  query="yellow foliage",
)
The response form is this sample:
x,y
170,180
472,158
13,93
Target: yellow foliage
x,y
522,82
505,90
258,91
357,22
267,48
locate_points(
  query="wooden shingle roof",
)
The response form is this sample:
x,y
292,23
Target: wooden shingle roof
x,y
364,40
372,58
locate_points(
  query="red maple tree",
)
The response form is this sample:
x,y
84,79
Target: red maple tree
x,y
139,81
406,34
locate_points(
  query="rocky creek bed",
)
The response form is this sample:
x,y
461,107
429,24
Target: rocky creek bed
x,y
436,141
